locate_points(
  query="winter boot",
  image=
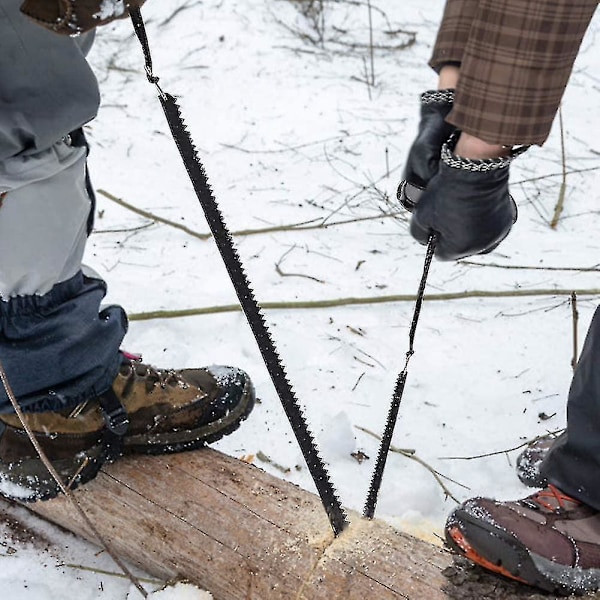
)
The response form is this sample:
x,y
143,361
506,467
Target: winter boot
x,y
147,410
530,460
548,540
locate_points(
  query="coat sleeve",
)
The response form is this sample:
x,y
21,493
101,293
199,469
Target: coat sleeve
x,y
47,88
516,57
453,33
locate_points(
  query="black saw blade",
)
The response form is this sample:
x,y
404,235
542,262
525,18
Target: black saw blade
x,y
251,308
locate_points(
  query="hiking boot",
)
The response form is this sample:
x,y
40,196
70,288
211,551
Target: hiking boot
x,y
147,410
530,460
548,540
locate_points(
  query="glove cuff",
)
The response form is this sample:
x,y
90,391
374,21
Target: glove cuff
x,y
476,165
438,97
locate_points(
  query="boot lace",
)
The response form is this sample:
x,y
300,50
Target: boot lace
x,y
553,500
152,377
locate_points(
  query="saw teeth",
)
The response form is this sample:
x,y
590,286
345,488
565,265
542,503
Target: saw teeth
x,y
230,256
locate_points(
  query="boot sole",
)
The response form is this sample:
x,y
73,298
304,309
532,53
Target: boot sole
x,y
20,488
475,540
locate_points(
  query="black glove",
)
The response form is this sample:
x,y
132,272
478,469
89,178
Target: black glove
x,y
424,154
467,204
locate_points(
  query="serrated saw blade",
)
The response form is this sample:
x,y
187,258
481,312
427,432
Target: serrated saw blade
x,y
223,239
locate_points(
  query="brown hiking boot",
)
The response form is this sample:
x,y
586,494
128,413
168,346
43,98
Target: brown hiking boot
x,y
530,460
548,540
147,410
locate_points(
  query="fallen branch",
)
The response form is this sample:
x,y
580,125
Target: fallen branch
x,y
472,263
410,454
353,301
300,226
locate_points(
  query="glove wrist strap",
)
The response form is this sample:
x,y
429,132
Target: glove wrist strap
x,y
438,97
473,164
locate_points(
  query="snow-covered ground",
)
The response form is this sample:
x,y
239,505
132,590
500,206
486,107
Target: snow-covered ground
x,y
291,132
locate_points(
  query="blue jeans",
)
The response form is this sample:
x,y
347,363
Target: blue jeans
x,y
57,346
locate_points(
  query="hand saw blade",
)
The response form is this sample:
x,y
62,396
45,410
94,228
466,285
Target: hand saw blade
x,y
223,239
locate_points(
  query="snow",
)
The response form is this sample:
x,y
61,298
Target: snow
x,y
290,132
181,591
110,8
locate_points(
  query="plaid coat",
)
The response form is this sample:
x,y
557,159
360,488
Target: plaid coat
x,y
516,57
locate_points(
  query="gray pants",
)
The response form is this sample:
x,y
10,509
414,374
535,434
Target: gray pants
x,y
56,345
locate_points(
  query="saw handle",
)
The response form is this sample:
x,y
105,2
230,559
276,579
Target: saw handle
x,y
409,194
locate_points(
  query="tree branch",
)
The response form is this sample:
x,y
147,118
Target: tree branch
x,y
353,301
300,226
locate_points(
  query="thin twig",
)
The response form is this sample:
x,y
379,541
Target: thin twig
x,y
575,315
282,273
110,573
353,301
126,230
563,184
366,78
371,50
550,175
387,162
175,12
408,454
358,381
556,433
318,223
260,455
594,269
65,489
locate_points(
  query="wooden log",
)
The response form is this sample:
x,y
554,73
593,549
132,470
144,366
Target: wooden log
x,y
240,533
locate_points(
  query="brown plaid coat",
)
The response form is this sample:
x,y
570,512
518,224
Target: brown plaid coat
x,y
516,57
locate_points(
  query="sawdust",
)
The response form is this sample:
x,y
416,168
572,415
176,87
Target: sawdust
x,y
14,531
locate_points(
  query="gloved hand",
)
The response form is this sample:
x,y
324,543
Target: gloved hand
x,y
71,17
424,154
467,204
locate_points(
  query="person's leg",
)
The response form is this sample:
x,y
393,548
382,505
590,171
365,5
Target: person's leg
x,y
85,401
513,73
55,345
573,463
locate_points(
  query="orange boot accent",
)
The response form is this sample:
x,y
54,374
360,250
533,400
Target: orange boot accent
x,y
469,552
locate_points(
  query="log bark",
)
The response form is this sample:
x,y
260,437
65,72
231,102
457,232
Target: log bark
x,y
243,534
